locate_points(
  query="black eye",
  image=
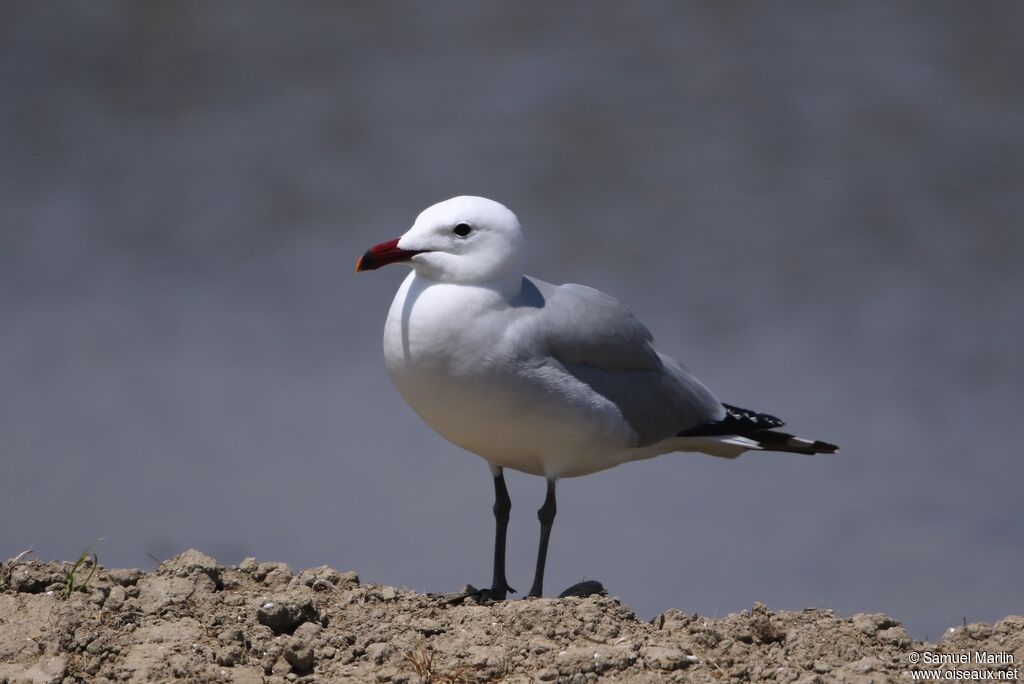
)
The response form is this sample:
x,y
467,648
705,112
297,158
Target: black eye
x,y
462,230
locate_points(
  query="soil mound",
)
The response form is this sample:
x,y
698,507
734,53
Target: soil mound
x,y
193,619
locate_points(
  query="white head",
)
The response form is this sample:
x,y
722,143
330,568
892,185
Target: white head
x,y
466,240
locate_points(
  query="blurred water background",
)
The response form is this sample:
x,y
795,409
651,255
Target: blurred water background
x,y
815,206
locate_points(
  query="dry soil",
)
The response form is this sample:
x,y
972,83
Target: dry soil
x,y
195,620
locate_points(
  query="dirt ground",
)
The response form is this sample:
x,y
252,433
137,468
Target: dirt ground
x,y
195,620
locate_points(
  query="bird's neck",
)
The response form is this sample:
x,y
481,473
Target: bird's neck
x,y
508,286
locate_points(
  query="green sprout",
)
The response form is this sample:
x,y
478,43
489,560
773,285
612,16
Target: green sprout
x,y
71,583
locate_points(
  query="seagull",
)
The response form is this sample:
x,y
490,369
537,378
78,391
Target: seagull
x,y
550,380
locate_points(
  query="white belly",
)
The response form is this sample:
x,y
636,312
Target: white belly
x,y
457,377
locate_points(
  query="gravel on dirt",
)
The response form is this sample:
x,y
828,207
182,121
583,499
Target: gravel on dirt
x,y
196,620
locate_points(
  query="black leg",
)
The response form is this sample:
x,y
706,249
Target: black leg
x,y
499,585
546,515
502,506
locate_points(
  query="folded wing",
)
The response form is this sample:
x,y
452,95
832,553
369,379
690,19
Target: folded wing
x,y
598,341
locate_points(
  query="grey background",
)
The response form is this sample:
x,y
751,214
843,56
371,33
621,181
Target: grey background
x,y
816,207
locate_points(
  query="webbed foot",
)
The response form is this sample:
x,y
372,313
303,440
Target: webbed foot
x,y
483,597
584,589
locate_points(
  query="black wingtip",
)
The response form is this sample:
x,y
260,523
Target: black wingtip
x,y
763,421
824,447
761,428
773,440
737,421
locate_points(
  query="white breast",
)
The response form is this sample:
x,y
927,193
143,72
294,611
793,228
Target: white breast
x,y
446,349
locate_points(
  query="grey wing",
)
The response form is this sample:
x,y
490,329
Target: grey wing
x,y
597,340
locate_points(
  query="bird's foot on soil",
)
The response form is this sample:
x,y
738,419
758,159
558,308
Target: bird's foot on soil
x,y
483,597
584,589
